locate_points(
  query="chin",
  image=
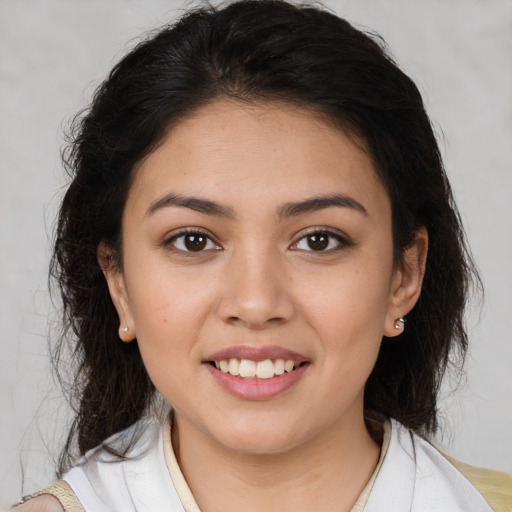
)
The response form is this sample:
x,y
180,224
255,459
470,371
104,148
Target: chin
x,y
259,437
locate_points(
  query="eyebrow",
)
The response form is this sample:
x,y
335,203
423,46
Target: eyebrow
x,y
320,203
285,211
194,203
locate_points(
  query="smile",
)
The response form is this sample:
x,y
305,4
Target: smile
x,y
256,373
246,368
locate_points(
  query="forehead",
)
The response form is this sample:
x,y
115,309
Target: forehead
x,y
257,152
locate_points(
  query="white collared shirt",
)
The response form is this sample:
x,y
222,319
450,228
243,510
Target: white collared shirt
x,y
411,476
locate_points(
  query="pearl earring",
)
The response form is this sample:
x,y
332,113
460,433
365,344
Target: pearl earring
x,y
123,331
400,324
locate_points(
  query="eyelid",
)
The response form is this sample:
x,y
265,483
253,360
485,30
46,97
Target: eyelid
x,y
343,239
169,239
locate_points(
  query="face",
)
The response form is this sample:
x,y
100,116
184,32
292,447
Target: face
x,y
258,275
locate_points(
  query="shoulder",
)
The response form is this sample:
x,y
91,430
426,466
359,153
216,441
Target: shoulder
x,y
137,481
494,486
99,480
416,476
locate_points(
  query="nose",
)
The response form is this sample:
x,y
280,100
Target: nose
x,y
255,291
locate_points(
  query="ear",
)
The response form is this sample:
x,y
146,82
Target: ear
x,y
406,283
118,293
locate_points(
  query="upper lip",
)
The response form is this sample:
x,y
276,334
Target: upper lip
x,y
260,353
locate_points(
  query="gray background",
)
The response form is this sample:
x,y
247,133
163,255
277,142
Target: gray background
x,y
52,55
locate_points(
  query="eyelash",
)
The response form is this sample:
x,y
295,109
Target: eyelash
x,y
189,231
342,242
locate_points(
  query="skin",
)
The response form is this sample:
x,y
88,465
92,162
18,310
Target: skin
x,y
259,282
43,503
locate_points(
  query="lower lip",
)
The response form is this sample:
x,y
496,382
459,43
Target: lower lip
x,y
257,389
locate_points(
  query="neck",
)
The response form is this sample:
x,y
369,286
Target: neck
x,y
326,473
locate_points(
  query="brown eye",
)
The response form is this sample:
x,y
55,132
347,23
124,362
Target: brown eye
x,y
322,241
318,241
193,241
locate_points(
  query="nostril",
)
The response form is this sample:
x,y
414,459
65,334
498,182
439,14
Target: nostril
x,y
255,323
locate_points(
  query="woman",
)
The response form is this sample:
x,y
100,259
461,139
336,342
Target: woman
x,y
259,211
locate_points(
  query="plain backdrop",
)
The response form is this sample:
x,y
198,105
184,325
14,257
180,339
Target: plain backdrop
x,y
53,53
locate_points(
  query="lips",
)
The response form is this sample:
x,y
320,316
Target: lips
x,y
256,373
256,354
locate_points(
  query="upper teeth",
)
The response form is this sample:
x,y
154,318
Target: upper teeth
x,y
261,369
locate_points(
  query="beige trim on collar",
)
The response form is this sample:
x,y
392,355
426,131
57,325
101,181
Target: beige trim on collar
x,y
182,488
63,492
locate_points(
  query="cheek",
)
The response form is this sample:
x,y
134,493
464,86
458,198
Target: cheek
x,y
163,299
348,312
350,338
167,329
168,317
347,301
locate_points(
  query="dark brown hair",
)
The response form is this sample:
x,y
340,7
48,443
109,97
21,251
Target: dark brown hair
x,y
255,50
